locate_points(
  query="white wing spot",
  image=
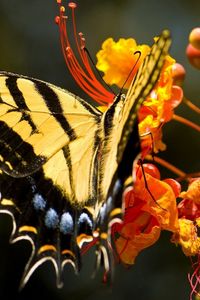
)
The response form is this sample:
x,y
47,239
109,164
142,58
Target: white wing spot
x,y
85,219
66,223
38,202
51,219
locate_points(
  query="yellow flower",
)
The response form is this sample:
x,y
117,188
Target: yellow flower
x,y
117,59
187,236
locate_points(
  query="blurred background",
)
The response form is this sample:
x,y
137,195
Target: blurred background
x,y
30,46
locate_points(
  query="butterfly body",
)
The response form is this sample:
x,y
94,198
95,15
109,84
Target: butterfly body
x,y
63,163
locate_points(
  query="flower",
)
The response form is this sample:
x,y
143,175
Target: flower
x,y
187,235
139,229
147,212
119,59
158,109
189,239
165,96
194,38
178,74
189,219
119,65
193,192
193,55
193,48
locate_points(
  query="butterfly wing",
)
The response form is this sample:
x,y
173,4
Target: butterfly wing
x,y
48,146
121,131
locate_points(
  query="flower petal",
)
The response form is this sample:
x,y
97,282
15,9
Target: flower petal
x,y
187,237
193,192
117,59
128,248
163,207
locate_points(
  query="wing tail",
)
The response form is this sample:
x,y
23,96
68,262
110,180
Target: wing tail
x,y
55,229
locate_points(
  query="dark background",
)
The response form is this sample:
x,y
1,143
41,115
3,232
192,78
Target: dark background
x,y
30,46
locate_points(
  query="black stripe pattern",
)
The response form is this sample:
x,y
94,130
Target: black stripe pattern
x,y
19,158
11,83
52,101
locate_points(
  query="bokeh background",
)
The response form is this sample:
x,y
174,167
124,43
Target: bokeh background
x,y
30,46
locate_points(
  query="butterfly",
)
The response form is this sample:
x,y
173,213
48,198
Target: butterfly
x,y
64,163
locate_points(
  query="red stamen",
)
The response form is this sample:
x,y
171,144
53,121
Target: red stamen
x,y
72,5
57,20
194,278
80,70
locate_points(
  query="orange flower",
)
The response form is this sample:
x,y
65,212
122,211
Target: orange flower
x,y
144,216
158,109
163,204
150,135
117,59
193,192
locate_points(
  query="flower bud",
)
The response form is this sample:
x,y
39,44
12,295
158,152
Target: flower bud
x,y
193,55
194,38
178,74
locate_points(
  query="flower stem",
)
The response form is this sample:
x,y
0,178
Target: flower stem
x,y
191,105
186,122
167,165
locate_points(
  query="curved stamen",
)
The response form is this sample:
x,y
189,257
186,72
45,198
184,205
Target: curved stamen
x,y
133,68
98,72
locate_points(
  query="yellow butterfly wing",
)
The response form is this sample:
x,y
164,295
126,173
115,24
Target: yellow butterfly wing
x,y
42,125
48,159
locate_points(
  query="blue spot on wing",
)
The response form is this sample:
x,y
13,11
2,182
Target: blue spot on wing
x,y
66,223
51,218
85,219
38,202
